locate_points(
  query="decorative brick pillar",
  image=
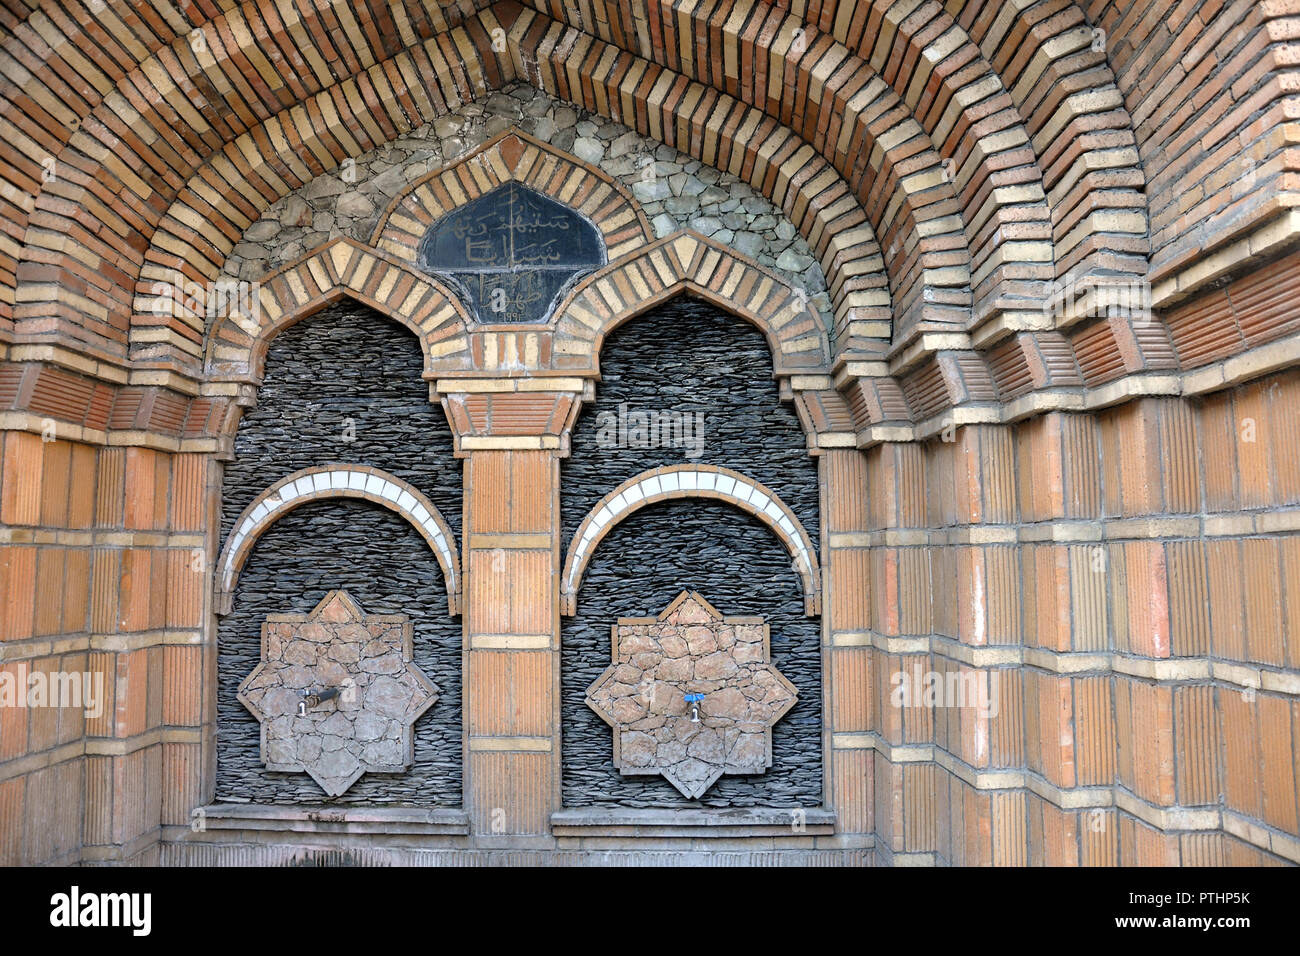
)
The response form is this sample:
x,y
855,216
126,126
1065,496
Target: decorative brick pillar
x,y
512,442
46,509
907,796
850,718
1167,756
102,575
1066,573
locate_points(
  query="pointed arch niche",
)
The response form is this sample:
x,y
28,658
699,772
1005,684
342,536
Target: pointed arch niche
x,y
733,515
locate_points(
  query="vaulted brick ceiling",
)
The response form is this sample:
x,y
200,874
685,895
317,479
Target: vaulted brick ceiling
x,y
945,161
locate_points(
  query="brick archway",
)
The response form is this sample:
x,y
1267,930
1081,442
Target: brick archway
x,y
1097,506
690,263
237,344
691,481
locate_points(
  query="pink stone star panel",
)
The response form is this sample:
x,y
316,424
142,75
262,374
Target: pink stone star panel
x,y
691,649
366,726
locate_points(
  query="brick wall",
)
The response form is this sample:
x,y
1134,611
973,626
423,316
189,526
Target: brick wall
x,y
1123,577
104,572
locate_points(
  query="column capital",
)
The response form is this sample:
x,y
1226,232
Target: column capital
x,y
512,414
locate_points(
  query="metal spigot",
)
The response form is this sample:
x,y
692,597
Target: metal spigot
x,y
313,698
694,701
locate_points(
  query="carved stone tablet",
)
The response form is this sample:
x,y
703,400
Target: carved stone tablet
x,y
510,252
336,693
691,656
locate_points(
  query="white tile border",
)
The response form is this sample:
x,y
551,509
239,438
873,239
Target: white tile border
x,y
692,482
336,482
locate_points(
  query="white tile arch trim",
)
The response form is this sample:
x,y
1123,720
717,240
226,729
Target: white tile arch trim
x,y
336,481
691,481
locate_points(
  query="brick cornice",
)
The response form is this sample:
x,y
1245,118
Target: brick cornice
x,y
1220,338
529,418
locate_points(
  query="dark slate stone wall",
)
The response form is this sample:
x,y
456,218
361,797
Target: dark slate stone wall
x,y
689,356
347,361
387,567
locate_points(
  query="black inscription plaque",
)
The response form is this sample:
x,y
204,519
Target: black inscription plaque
x,y
511,253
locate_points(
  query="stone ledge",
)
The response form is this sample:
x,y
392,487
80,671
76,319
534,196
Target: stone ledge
x,y
26,649
726,824
390,820
1244,674
372,853
1095,530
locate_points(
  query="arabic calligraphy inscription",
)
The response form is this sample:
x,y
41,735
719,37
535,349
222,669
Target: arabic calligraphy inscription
x,y
511,252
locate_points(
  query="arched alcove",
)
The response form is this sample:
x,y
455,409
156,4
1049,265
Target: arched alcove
x,y
343,385
689,363
342,394
674,482
385,565
337,481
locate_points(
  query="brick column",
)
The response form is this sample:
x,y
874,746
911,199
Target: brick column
x,y
907,797
512,443
849,710
1166,771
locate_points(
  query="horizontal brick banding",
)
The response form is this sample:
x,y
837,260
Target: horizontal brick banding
x,y
1249,312
54,397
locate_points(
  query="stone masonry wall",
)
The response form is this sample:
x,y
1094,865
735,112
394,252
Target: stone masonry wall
x,y
675,191
347,372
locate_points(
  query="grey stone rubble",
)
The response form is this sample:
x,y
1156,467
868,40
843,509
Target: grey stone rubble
x,y
675,191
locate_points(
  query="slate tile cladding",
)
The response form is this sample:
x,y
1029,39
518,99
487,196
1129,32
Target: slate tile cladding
x,y
386,566
688,356
642,565
346,361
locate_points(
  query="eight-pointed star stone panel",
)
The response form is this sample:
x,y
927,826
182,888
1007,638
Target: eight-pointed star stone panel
x,y
367,726
690,648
